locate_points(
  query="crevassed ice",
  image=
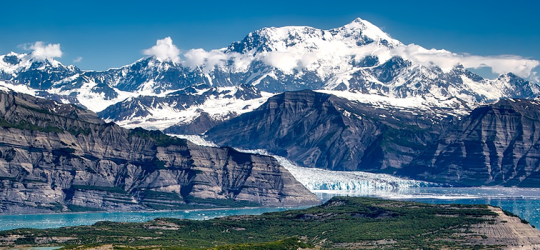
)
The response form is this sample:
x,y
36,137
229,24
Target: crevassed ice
x,y
319,179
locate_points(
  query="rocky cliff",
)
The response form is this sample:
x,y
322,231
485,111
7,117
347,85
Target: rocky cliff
x,y
496,144
58,157
321,130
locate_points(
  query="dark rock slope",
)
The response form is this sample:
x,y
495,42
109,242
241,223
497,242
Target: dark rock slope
x,y
56,157
497,144
321,130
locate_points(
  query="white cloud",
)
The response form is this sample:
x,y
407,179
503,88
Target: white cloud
x,y
200,57
41,51
78,59
283,60
164,50
329,57
446,60
208,60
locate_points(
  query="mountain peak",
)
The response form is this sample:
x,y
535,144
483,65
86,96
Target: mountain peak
x,y
369,30
14,54
15,60
357,33
359,22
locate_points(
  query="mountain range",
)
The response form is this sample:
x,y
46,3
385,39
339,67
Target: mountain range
x,y
59,158
355,58
347,98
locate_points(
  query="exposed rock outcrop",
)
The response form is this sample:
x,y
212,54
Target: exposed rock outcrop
x,y
57,157
321,130
507,231
496,144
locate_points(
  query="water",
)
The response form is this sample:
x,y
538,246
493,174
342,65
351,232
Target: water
x,y
524,202
43,221
520,201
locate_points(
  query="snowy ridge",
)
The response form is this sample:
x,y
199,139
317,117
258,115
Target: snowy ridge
x,y
18,88
357,61
12,63
416,104
93,100
219,103
196,139
327,180
301,48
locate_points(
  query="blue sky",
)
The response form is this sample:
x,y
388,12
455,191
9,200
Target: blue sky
x,y
109,34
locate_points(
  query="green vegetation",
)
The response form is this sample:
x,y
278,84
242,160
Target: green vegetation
x,y
56,206
29,126
339,223
514,215
75,208
100,188
77,131
220,202
289,243
161,139
39,110
173,201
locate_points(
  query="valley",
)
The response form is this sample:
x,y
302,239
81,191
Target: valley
x,y
248,140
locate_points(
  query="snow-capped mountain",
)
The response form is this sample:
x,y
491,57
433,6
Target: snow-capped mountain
x,y
37,74
177,110
358,59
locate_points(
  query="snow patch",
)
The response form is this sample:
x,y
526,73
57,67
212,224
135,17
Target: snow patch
x,y
425,103
17,88
196,139
218,107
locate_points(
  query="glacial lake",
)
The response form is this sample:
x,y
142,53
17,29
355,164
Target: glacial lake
x,y
520,201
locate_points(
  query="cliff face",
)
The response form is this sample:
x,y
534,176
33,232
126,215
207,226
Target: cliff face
x,y
497,144
56,157
321,130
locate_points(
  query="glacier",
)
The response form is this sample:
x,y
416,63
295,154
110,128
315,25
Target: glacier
x,y
316,179
320,179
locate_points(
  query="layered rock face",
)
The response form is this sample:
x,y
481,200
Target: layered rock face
x,y
497,144
321,130
56,157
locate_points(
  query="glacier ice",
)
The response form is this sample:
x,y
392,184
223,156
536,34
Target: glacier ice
x,y
320,179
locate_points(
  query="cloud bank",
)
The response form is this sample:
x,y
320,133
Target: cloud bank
x,y
164,50
42,51
78,59
329,54
209,60
446,60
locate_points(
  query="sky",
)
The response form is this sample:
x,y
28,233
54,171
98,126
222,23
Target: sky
x,y
97,35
